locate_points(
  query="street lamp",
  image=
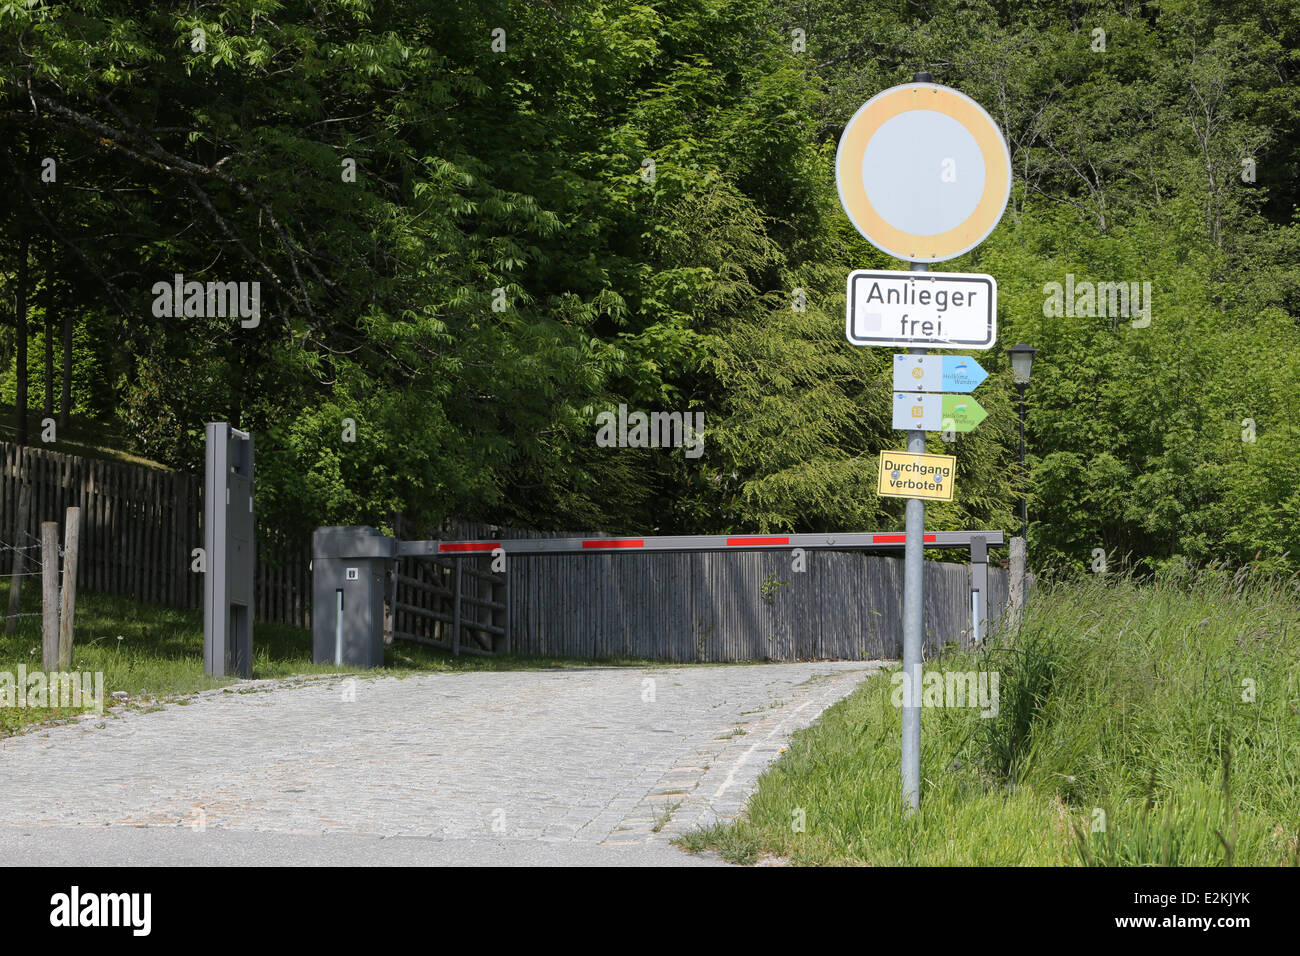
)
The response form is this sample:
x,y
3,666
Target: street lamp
x,y
1022,362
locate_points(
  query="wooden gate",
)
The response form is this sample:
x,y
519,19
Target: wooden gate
x,y
456,604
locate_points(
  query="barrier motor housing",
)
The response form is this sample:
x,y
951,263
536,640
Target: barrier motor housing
x,y
348,577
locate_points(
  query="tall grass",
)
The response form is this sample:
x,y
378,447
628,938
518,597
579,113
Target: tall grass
x,y
1126,734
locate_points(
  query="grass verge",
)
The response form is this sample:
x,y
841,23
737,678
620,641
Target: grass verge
x,y
1153,724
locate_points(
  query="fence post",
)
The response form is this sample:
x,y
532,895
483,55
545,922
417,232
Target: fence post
x,y
390,619
507,614
1016,597
72,534
979,588
455,613
50,595
19,565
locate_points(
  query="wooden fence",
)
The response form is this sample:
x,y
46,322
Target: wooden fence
x,y
140,526
706,606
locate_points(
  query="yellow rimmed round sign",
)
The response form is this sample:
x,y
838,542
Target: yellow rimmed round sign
x,y
923,172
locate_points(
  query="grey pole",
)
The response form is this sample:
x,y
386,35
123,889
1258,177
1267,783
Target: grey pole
x,y
979,587
338,630
913,607
229,542
913,610
1024,474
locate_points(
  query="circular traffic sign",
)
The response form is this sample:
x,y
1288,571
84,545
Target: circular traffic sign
x,y
923,172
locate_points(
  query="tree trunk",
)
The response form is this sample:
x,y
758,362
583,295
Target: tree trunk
x,y
50,328
65,398
20,401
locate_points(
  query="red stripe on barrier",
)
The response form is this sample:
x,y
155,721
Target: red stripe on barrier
x,y
751,542
614,543
470,546
896,538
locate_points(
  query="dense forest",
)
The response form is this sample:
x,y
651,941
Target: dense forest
x,y
476,225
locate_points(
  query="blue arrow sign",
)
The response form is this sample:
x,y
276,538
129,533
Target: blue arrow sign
x,y
937,373
961,373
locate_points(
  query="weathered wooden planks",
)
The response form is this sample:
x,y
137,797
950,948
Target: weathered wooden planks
x,y
139,527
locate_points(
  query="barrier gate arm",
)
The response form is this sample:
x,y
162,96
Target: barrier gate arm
x,y
705,542
353,560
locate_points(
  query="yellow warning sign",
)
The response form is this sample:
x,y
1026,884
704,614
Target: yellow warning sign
x,y
905,475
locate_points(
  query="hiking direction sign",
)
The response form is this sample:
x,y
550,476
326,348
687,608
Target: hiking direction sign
x,y
937,373
934,413
918,377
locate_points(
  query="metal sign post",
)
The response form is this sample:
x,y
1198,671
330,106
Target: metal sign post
x,y
924,173
229,553
913,621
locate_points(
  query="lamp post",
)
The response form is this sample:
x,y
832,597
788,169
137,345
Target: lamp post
x,y
1022,362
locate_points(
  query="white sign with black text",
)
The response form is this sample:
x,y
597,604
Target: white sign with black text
x,y
922,309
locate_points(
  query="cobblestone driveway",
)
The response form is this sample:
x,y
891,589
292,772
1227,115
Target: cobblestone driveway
x,y
586,754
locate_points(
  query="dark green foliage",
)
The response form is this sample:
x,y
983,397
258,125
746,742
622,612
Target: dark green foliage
x,y
526,171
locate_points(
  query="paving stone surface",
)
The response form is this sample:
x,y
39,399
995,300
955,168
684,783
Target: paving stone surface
x,y
612,756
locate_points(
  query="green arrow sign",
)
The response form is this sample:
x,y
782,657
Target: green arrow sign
x,y
964,411
936,413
